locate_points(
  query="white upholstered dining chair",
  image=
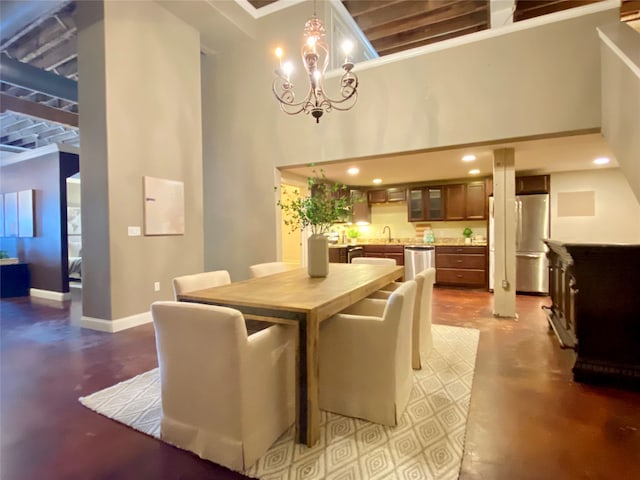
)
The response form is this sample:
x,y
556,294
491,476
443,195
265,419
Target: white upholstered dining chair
x,y
365,358
422,338
198,281
226,396
374,260
268,268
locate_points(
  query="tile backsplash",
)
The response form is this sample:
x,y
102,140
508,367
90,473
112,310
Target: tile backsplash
x,y
394,215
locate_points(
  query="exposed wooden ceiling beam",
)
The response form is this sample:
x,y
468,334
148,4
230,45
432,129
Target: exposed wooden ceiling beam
x,y
404,10
630,9
7,102
363,7
429,33
446,13
536,8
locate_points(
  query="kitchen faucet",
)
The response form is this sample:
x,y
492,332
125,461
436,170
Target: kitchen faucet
x,y
386,227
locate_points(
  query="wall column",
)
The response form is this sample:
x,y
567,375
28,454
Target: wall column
x,y
140,101
504,239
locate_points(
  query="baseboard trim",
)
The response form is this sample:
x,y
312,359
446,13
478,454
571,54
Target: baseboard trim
x,y
117,325
50,295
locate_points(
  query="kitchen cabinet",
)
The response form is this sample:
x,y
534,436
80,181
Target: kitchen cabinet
x,y
360,210
476,201
532,184
425,203
461,265
377,196
395,194
465,201
386,251
454,201
338,254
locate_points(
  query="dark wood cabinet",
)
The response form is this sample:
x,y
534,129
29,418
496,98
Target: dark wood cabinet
x,y
594,309
425,203
386,251
475,201
377,196
338,254
360,210
454,201
394,194
465,201
434,203
532,184
461,266
415,204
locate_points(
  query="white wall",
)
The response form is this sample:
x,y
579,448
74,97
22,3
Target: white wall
x,y
505,83
621,97
617,211
141,116
544,80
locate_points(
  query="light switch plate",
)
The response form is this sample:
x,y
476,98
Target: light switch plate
x,y
133,231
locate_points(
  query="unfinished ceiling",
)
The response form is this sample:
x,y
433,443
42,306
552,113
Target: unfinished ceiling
x,y
38,48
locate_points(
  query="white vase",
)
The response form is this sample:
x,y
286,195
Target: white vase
x,y
317,256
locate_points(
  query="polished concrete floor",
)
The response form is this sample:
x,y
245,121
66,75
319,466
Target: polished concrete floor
x,y
528,419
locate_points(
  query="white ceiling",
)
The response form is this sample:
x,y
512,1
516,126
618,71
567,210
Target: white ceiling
x,y
532,157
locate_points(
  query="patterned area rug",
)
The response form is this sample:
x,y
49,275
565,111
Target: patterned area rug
x,y
427,444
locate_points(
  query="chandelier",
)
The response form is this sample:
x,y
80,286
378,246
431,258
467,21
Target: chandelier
x,y
315,57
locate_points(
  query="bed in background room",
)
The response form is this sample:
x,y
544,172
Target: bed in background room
x,y
75,257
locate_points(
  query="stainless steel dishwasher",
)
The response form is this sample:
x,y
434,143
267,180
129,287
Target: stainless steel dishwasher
x,y
417,258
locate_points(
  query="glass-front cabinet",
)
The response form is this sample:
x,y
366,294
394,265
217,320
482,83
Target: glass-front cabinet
x,y
435,206
416,204
426,203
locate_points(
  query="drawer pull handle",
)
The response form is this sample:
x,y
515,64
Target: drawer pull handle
x,y
459,261
459,276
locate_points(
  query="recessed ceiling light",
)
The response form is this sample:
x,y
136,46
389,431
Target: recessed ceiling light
x,y
353,171
601,161
468,158
475,171
377,181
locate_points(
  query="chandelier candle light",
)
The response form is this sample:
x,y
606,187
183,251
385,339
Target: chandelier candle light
x,y
315,56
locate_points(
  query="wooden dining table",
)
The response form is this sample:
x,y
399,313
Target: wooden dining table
x,y
294,297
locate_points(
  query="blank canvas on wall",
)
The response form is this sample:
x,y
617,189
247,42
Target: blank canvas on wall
x,y
11,214
1,215
577,204
163,206
25,213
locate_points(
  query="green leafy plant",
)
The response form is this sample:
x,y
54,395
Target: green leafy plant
x,y
4,254
467,232
352,232
327,204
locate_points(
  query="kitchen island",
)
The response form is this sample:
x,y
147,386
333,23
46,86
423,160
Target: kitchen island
x,y
595,309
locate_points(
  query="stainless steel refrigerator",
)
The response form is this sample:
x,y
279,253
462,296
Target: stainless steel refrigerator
x,y
532,226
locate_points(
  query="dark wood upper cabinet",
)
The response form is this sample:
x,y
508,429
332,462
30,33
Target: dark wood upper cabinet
x,y
396,194
476,201
532,184
454,201
360,211
377,196
434,203
415,203
425,203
